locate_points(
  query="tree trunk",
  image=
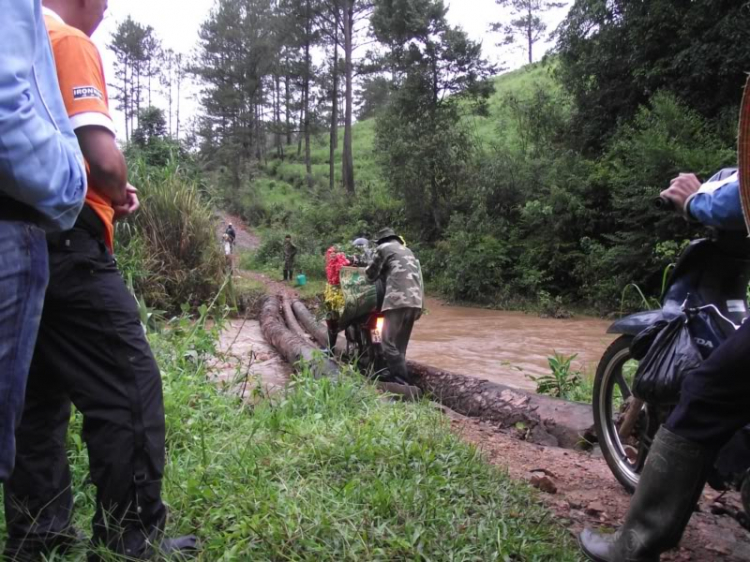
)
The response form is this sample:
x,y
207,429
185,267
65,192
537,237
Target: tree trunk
x,y
318,331
126,98
541,419
138,92
178,61
347,159
529,35
288,111
308,72
277,117
289,345
301,125
334,111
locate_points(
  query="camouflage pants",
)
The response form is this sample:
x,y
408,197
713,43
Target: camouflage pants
x,y
396,333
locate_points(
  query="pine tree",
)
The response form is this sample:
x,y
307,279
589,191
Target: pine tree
x,y
527,23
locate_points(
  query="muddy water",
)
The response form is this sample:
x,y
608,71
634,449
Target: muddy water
x,y
504,347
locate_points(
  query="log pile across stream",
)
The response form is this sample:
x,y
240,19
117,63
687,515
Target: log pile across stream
x,y
291,346
539,419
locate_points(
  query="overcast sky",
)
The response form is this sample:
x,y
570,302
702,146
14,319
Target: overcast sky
x,y
176,23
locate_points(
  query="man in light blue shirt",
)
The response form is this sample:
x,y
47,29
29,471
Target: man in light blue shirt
x,y
42,187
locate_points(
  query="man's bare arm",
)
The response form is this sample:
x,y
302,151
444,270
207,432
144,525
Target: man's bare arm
x,y
108,171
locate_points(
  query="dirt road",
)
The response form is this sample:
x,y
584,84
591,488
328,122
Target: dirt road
x,y
587,495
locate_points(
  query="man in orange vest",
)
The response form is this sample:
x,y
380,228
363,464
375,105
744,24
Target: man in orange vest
x,y
91,349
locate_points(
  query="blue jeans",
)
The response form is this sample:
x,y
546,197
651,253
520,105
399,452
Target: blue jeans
x,y
23,280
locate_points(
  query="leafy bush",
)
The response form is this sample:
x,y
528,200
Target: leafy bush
x,y
271,250
563,382
169,247
474,262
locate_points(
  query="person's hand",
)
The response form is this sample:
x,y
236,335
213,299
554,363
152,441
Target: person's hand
x,y
680,188
131,205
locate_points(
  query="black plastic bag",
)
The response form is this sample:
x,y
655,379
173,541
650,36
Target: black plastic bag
x,y
645,339
671,355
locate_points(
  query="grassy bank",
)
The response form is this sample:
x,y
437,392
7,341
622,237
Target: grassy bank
x,y
326,472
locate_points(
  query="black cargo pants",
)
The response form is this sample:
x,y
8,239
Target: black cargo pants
x,y
715,398
91,351
397,328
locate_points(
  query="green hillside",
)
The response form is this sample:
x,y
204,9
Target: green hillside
x,y
489,130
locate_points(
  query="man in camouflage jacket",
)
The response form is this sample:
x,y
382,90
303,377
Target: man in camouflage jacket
x,y
404,297
290,251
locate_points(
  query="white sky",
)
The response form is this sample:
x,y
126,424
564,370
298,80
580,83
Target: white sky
x,y
177,22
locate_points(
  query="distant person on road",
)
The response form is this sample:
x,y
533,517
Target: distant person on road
x,y
91,349
42,185
290,252
404,297
231,234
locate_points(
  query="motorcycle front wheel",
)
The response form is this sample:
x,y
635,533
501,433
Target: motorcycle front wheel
x,y
625,426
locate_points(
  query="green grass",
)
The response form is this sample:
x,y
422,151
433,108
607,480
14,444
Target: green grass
x,y
327,472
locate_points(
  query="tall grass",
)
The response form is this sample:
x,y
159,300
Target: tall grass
x,y
169,247
326,472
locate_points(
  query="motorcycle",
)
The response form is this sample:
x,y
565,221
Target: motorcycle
x,y
709,285
364,338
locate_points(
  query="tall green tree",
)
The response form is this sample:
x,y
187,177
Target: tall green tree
x,y
527,24
235,57
137,52
438,74
616,54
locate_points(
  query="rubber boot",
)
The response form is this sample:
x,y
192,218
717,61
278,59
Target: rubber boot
x,y
670,486
178,548
29,549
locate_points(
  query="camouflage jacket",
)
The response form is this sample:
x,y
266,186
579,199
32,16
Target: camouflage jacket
x,y
290,250
402,273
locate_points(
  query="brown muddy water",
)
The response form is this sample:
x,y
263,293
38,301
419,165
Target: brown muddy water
x,y
504,347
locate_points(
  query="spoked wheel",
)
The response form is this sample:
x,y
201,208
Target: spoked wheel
x,y
625,426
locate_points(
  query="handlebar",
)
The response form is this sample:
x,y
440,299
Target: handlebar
x,y
664,204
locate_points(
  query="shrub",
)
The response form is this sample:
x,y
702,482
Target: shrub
x,y
169,247
474,262
563,382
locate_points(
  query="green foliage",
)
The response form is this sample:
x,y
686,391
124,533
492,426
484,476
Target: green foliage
x,y
168,248
473,262
563,382
615,55
324,471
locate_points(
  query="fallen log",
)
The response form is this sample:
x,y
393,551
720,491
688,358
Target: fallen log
x,y
541,419
289,345
306,318
290,319
317,330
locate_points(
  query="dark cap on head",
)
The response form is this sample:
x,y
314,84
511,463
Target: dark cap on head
x,y
385,234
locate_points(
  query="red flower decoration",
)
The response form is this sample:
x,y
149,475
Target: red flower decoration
x,y
335,260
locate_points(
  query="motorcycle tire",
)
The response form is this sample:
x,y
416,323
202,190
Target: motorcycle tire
x,y
623,467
